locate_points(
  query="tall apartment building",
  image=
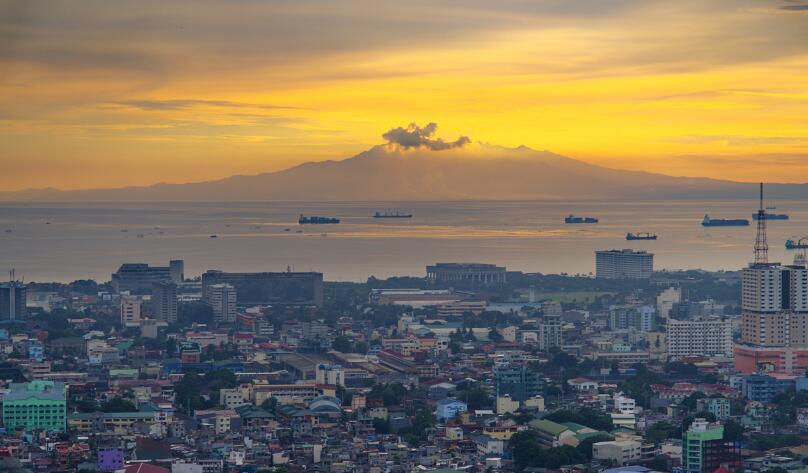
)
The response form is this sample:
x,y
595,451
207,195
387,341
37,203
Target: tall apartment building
x,y
38,405
706,337
164,301
623,264
139,277
774,326
704,449
774,305
550,332
222,299
517,381
641,318
131,311
12,302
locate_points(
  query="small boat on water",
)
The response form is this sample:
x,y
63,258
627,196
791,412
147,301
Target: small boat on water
x,y
724,222
573,219
391,215
800,244
315,220
640,236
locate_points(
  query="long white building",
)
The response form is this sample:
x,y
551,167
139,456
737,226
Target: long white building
x,y
624,264
705,337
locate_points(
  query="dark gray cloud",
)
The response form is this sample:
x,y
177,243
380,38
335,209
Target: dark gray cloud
x,y
166,39
181,104
415,136
795,7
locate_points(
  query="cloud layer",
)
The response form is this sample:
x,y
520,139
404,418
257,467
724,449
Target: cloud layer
x,y
169,90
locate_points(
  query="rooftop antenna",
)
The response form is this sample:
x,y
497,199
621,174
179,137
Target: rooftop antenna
x,y
761,246
11,275
800,259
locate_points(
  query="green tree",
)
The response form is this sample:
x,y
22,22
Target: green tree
x,y
194,312
733,431
525,448
585,447
659,463
381,426
476,398
118,404
584,416
342,344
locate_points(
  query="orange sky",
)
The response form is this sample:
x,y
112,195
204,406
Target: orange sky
x,y
105,94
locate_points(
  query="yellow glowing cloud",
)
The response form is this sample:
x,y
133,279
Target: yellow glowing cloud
x,y
687,88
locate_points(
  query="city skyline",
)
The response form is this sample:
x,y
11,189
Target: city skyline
x,y
96,95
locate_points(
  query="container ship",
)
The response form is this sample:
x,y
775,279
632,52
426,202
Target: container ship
x,y
771,216
801,244
640,236
573,219
391,215
316,220
724,222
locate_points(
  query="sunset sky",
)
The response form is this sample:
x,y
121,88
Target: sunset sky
x,y
106,94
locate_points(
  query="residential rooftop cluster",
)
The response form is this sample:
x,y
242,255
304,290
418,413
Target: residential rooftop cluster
x,y
470,367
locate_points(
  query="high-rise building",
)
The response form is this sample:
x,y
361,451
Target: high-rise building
x,y
517,381
38,405
774,327
666,299
624,264
131,311
549,332
164,301
176,269
287,288
12,302
774,304
706,337
222,299
704,449
624,317
139,277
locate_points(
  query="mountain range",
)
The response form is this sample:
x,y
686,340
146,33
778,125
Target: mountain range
x,y
473,172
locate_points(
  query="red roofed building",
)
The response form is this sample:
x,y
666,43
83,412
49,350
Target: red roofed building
x,y
145,468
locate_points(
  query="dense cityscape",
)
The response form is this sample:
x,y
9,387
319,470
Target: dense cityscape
x,y
469,367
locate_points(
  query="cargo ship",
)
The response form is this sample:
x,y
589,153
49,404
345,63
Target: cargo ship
x,y
315,220
724,222
573,219
640,236
801,244
391,215
771,216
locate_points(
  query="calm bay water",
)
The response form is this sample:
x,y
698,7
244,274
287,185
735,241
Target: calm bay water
x,y
87,240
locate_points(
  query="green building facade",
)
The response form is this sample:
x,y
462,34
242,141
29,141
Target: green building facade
x,y
704,449
38,405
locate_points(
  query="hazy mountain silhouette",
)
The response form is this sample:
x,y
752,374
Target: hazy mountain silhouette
x,y
473,172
